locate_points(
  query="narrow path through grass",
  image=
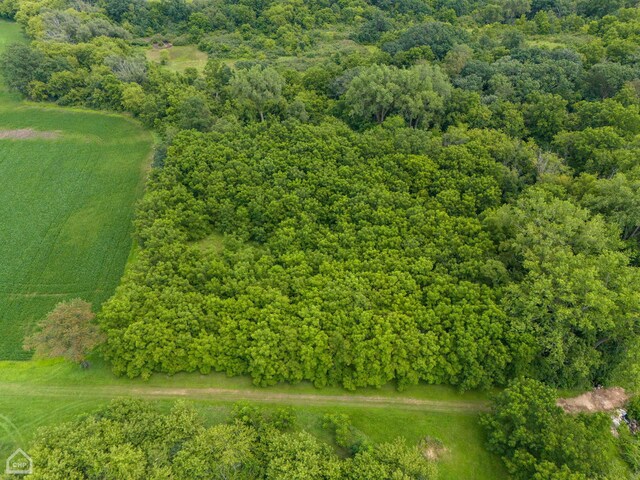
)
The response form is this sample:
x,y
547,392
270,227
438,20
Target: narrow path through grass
x,y
40,393
234,395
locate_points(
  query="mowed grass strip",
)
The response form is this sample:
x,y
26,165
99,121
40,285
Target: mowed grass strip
x,y
66,205
461,435
58,390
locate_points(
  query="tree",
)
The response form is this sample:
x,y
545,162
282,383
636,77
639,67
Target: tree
x,y
417,93
373,93
135,440
599,8
66,332
193,113
592,149
439,36
605,79
371,30
258,88
392,460
423,92
545,115
222,451
513,9
537,440
217,75
116,9
561,8
572,303
21,65
618,198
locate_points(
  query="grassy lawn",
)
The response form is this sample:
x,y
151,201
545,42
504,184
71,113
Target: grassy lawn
x,y
465,458
68,182
179,58
58,391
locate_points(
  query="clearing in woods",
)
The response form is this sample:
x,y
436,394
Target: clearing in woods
x,y
68,181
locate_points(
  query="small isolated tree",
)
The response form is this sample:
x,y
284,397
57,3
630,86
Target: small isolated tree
x,y
66,332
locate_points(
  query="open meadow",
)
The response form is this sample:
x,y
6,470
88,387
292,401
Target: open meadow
x,y
69,179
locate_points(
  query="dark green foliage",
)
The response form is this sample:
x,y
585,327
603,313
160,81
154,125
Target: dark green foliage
x,y
600,8
574,305
21,65
439,36
604,80
537,440
116,9
372,29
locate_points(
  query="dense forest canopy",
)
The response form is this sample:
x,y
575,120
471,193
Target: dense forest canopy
x,y
358,192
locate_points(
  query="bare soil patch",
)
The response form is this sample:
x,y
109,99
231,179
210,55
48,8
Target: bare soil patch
x,y
597,400
26,134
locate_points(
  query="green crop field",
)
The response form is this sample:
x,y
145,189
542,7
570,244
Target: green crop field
x,y
68,183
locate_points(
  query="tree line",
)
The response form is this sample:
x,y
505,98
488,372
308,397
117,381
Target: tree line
x,y
456,202
134,439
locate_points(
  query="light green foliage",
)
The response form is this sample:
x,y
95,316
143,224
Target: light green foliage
x,y
258,89
346,435
305,304
131,439
417,93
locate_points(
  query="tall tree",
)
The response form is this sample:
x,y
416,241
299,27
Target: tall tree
x,y
373,93
258,88
537,440
573,303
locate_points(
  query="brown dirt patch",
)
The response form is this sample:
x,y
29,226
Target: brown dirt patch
x,y
598,400
26,134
